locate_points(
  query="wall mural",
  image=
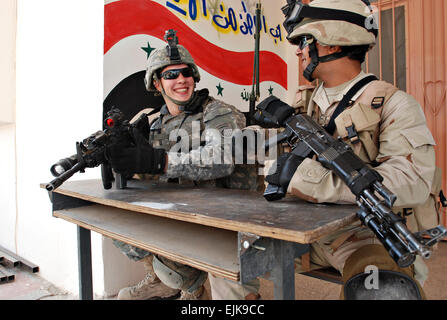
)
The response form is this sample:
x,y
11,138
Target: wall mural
x,y
217,33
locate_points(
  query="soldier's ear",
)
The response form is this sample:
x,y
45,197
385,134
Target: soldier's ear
x,y
334,49
157,84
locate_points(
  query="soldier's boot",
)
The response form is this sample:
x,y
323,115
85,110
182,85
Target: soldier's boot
x,y
150,288
192,295
196,289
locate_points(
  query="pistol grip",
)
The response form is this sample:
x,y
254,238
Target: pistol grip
x,y
106,175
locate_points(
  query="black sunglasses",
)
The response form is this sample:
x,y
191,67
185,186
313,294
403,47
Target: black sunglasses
x,y
302,43
174,73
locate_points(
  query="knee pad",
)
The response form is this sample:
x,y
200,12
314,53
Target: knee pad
x,y
178,276
371,274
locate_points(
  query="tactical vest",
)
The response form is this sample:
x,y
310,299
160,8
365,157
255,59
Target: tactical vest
x,y
359,126
302,98
167,125
244,176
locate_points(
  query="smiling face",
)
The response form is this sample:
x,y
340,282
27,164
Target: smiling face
x,y
180,88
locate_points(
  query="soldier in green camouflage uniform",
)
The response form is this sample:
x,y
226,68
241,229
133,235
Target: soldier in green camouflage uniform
x,y
190,142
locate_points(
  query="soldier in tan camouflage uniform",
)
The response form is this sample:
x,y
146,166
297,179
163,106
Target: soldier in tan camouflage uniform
x,y
385,127
190,142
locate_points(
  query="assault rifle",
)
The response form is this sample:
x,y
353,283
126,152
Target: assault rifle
x,y
91,152
307,138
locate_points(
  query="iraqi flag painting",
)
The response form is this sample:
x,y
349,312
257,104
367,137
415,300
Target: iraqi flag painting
x,y
219,34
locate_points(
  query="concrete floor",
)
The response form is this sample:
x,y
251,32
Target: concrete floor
x,y
29,286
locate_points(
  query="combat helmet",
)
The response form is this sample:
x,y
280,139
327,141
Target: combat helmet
x,y
330,22
162,57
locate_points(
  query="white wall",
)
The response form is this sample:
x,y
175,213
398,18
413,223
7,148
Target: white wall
x,y
7,187
59,101
7,60
7,119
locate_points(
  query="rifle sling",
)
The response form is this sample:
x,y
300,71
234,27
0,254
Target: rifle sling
x,y
330,128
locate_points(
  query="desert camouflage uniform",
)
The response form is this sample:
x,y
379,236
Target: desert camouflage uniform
x,y
302,98
391,135
395,139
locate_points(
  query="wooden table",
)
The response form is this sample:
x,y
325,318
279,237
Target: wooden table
x,y
233,234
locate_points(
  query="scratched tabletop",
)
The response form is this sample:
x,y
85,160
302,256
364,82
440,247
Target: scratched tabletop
x,y
238,210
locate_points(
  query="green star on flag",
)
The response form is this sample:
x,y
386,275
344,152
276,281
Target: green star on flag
x,y
148,49
219,90
270,90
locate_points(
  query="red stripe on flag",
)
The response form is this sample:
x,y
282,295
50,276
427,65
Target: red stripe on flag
x,y
130,17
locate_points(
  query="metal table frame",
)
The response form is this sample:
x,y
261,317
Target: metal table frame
x,y
258,256
280,255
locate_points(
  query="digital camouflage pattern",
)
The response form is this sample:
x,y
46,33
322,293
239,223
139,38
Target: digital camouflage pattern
x,y
133,253
196,165
193,160
199,163
159,59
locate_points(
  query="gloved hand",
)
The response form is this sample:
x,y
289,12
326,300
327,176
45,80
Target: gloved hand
x,y
286,165
272,112
138,158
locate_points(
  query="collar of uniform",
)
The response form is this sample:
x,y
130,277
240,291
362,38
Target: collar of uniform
x,y
354,81
164,112
321,99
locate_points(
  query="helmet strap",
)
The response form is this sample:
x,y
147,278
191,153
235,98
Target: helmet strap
x,y
316,60
334,56
181,104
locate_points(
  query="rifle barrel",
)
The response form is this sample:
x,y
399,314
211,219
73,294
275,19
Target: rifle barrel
x,y
63,177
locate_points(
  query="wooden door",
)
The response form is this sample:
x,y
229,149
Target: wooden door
x,y
427,43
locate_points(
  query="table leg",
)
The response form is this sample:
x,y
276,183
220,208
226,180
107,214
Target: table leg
x,y
85,264
283,270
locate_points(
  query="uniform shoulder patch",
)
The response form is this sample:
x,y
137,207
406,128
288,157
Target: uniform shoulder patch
x,y
377,102
214,109
225,129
